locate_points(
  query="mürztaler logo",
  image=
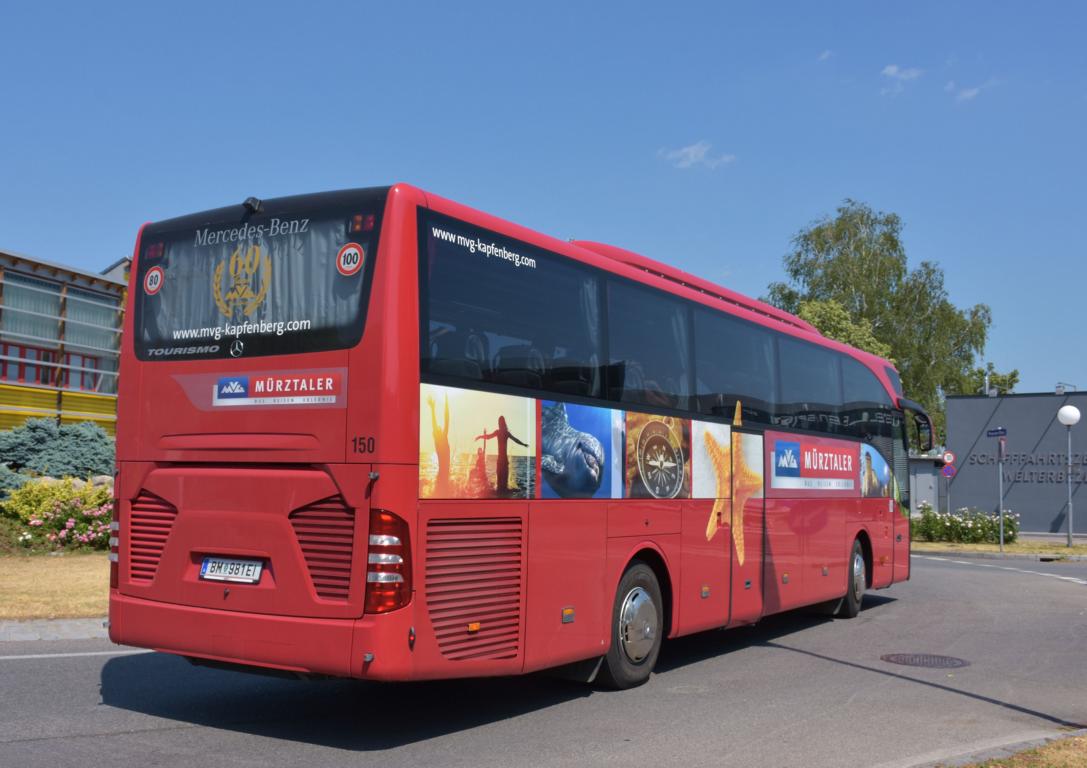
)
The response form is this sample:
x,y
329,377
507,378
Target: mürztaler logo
x,y
788,458
233,386
249,279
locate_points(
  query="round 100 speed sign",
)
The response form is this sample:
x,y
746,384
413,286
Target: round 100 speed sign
x,y
350,259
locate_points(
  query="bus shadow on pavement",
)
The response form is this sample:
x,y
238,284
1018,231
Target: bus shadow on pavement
x,y
692,649
345,714
363,716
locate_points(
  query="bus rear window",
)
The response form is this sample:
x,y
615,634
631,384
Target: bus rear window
x,y
284,280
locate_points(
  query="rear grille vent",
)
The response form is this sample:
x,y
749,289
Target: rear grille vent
x,y
149,527
325,531
473,586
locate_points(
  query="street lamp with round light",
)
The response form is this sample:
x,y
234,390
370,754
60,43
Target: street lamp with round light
x,y
1068,415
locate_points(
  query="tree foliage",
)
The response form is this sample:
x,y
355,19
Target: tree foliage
x,y
42,447
1003,383
834,322
857,261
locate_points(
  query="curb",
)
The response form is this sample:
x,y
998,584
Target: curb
x,y
53,629
998,753
1036,557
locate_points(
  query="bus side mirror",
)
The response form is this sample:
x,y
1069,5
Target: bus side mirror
x,y
924,431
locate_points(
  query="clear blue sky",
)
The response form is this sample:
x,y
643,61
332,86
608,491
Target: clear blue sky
x,y
701,135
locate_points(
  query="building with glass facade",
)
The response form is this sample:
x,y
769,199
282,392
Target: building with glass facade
x,y
60,336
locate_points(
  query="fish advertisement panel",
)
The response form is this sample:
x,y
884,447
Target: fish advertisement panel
x,y
578,456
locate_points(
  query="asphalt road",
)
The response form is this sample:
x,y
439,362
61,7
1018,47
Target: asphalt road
x,y
797,690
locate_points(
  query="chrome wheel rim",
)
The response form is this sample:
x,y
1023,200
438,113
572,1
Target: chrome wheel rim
x,y
859,581
638,625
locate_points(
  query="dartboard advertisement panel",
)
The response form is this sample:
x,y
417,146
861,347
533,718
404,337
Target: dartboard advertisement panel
x,y
658,451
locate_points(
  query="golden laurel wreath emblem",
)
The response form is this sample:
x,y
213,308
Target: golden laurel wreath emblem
x,y
245,271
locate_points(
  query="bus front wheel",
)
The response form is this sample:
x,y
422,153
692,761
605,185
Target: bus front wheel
x,y
858,582
637,629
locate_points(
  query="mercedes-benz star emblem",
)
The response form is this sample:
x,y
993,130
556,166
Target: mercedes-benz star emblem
x,y
237,347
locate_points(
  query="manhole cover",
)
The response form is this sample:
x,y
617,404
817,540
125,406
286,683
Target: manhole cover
x,y
929,660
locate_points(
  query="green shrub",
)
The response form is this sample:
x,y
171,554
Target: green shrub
x,y
61,514
968,526
43,447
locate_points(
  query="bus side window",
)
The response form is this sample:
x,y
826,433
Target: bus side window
x,y
811,386
531,322
454,353
649,344
734,362
866,410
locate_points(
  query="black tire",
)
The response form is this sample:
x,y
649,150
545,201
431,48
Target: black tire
x,y
637,628
857,582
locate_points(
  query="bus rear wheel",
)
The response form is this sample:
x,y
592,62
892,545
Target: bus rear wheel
x,y
637,629
858,582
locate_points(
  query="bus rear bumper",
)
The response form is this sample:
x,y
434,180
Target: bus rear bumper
x,y
306,646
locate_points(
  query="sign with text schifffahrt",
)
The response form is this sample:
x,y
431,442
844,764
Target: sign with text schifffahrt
x,y
1033,462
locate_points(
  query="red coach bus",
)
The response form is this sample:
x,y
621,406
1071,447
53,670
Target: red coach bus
x,y
378,434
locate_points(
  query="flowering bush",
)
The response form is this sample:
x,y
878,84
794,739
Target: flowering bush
x,y
970,526
61,514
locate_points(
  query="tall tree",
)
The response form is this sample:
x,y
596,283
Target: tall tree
x,y
857,260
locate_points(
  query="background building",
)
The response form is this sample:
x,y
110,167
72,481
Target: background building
x,y
60,335
1034,469
926,483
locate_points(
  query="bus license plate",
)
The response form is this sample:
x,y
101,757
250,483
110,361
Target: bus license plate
x,y
227,569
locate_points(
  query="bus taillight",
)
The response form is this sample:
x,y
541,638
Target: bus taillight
x,y
388,563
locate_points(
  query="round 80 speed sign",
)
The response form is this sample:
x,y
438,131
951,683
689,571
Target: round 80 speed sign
x,y
350,259
153,280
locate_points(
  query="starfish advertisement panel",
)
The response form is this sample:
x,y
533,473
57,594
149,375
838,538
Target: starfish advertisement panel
x,y
711,460
711,471
747,483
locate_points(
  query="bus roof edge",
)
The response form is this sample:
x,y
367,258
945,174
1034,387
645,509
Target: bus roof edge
x,y
696,283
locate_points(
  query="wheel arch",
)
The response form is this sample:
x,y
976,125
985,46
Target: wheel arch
x,y
865,539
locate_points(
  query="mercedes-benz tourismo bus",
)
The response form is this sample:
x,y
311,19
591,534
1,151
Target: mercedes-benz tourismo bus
x,y
377,434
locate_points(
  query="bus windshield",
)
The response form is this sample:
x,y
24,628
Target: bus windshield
x,y
294,277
